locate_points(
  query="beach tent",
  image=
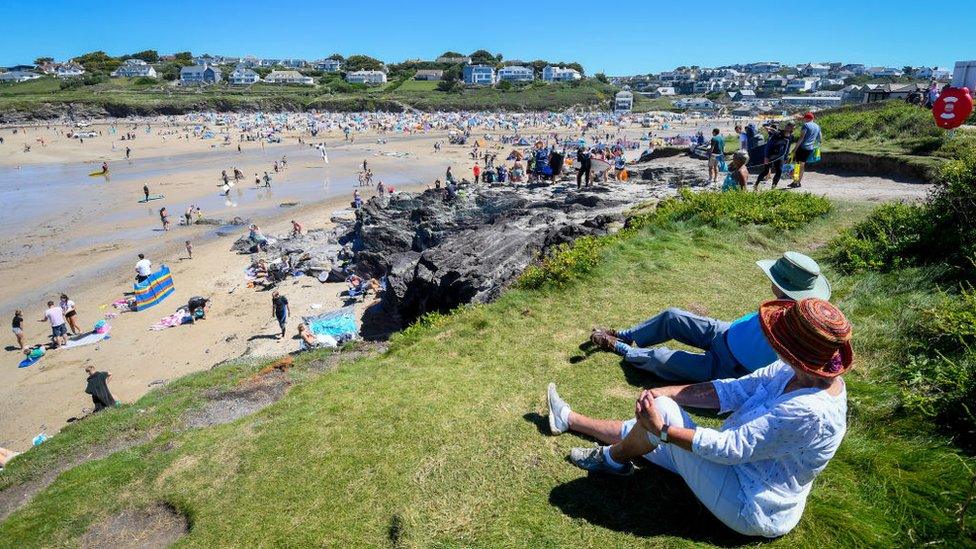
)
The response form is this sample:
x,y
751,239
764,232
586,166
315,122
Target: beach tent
x,y
154,289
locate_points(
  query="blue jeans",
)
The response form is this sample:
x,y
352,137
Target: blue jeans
x,y
707,334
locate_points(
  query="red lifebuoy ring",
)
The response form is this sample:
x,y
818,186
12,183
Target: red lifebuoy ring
x,y
952,108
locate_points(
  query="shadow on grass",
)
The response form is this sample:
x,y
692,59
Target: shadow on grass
x,y
652,502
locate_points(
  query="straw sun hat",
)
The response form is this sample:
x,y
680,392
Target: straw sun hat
x,y
810,334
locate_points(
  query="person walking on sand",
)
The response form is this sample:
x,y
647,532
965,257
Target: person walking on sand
x,y
279,310
70,314
164,218
808,142
98,388
59,326
189,250
145,191
128,151
18,328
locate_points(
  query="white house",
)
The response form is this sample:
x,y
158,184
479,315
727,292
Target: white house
x,y
478,75
133,68
68,70
810,101
366,77
18,76
464,60
243,76
698,103
200,74
623,101
289,77
808,83
516,73
328,65
880,72
664,91
815,69
560,74
935,73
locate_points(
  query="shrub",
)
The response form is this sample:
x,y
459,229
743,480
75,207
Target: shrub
x,y
943,230
890,238
566,263
777,209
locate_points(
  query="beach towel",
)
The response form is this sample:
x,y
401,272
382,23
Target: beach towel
x,y
339,324
171,321
86,339
153,290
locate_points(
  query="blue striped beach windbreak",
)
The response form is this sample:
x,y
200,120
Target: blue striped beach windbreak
x,y
154,289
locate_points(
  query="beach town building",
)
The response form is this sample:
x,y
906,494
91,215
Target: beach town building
x,y
18,76
63,70
200,74
806,84
243,76
964,75
269,62
763,67
694,103
328,65
814,69
824,102
882,72
293,63
478,75
453,60
207,59
623,102
132,68
289,77
662,91
429,74
934,73
884,92
372,78
516,73
560,74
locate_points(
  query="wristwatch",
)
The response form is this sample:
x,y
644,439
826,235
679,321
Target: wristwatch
x,y
664,433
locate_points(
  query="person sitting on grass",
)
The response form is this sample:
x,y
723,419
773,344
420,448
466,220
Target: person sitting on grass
x,y
787,420
738,173
731,349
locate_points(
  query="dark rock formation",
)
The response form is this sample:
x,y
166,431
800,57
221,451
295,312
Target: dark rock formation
x,y
438,254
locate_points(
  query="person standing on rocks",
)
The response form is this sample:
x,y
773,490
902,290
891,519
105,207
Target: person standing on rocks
x,y
279,310
585,166
98,388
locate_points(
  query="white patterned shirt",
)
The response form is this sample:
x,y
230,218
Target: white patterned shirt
x,y
776,443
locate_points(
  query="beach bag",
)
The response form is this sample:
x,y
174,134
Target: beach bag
x,y
814,156
722,167
730,183
788,170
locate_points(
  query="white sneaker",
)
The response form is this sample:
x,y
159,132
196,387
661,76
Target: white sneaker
x,y
558,409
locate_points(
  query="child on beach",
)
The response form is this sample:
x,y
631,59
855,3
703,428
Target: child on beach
x,y
164,218
189,249
18,327
70,314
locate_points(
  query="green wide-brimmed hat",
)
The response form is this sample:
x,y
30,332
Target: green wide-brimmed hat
x,y
797,276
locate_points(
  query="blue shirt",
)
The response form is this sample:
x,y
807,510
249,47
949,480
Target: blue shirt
x,y
811,136
748,343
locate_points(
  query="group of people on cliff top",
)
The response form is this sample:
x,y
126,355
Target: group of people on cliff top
x,y
776,370
772,156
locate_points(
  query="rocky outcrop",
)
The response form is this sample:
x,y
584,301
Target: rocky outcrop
x,y
438,254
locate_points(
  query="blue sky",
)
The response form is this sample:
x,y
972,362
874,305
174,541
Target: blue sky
x,y
619,38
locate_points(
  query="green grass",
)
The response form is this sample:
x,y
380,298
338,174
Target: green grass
x,y
440,441
124,97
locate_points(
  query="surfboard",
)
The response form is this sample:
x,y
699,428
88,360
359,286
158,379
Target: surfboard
x,y
29,361
597,165
98,173
152,197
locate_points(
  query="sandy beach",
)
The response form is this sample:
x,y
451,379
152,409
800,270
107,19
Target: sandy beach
x,y
68,232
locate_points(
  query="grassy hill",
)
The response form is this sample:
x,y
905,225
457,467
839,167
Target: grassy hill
x,y
441,439
122,96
